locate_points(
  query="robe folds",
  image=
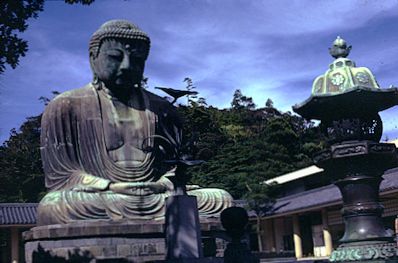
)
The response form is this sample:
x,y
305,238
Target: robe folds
x,y
79,137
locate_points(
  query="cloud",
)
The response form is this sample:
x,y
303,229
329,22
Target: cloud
x,y
38,75
298,17
268,49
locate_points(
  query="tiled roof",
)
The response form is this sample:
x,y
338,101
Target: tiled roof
x,y
324,196
18,213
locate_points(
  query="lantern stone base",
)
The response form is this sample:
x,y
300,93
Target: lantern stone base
x,y
357,168
102,241
366,252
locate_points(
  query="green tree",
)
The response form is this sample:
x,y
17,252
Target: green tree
x,y
13,17
256,145
260,198
269,103
190,87
240,101
201,126
21,173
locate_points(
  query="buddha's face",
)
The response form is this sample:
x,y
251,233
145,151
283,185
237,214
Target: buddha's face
x,y
120,64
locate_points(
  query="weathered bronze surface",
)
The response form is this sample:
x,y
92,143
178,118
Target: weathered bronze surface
x,y
356,168
377,252
104,145
347,100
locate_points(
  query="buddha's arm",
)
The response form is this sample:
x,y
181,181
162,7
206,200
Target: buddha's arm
x,y
62,161
89,183
142,188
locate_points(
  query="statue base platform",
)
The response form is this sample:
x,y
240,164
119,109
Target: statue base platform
x,y
103,241
193,260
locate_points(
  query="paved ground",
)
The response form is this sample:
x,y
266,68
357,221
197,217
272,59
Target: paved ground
x,y
294,260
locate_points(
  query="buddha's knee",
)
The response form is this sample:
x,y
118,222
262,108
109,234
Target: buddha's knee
x,y
49,209
65,206
212,201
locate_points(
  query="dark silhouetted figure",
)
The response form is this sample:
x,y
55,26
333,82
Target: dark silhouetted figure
x,y
235,221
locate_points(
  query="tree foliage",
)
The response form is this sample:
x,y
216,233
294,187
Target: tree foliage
x,y
13,17
247,146
239,101
21,173
269,103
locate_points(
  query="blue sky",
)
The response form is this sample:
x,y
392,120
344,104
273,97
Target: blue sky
x,y
268,49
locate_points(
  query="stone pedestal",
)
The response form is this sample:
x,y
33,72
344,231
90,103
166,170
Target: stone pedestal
x,y
183,228
102,241
96,241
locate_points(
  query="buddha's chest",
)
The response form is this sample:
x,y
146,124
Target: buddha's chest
x,y
127,132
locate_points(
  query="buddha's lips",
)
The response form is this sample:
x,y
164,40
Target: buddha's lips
x,y
125,76
128,77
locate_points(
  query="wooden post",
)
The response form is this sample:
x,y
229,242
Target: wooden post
x,y
14,245
298,248
269,235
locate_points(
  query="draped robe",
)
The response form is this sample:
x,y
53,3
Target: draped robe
x,y
80,139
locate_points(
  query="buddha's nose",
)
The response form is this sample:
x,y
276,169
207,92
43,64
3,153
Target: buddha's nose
x,y
126,63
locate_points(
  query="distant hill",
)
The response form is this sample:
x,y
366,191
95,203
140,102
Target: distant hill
x,y
246,146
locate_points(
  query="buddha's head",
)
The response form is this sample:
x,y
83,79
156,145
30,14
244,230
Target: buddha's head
x,y
118,50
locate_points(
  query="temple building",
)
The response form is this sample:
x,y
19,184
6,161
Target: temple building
x,y
15,218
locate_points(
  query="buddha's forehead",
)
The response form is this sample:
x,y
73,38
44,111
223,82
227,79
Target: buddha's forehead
x,y
124,44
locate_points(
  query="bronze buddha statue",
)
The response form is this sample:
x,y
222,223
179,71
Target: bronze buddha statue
x,y
95,140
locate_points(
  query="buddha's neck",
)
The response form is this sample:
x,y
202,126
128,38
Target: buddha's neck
x,y
130,97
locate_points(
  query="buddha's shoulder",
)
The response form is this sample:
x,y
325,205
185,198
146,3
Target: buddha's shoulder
x,y
84,92
73,100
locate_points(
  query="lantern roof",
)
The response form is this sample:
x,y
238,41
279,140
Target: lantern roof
x,y
345,89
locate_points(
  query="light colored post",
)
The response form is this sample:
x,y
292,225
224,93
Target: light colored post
x,y
298,249
14,245
327,237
